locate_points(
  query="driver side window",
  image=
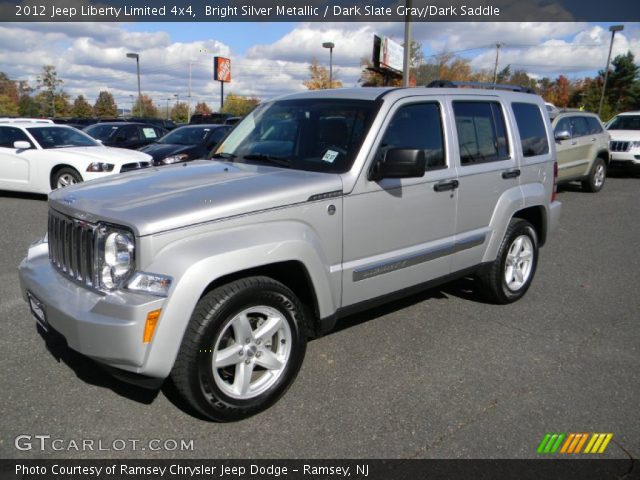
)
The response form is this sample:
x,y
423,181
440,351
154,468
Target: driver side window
x,y
418,127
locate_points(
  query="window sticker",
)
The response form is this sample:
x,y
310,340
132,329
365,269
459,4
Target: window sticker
x,y
330,156
149,133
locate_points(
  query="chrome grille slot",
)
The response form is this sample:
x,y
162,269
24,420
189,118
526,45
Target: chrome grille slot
x,y
71,246
617,146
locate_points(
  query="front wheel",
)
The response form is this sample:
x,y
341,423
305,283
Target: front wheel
x,y
242,349
64,177
508,278
597,176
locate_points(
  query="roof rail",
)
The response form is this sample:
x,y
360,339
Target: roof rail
x,y
489,86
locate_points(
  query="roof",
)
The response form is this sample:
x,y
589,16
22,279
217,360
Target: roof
x,y
25,120
635,112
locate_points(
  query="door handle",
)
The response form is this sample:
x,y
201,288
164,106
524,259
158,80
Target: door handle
x,y
593,139
574,142
444,186
511,173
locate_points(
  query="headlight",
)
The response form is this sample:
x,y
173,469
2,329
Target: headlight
x,y
116,257
174,159
634,145
100,167
152,283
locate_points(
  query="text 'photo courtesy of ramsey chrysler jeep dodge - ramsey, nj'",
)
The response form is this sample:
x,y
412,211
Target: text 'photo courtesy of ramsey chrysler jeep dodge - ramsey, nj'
x,y
317,205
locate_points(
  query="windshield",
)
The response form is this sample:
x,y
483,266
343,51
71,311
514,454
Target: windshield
x,y
102,132
186,136
625,122
322,135
60,137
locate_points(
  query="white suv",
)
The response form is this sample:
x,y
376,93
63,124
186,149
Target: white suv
x,y
39,157
625,140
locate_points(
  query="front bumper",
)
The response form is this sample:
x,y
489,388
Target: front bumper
x,y
108,328
625,159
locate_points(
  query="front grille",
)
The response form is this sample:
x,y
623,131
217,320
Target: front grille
x,y
127,167
71,247
619,146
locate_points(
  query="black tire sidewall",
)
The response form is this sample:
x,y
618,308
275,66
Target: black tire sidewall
x,y
592,175
520,228
213,401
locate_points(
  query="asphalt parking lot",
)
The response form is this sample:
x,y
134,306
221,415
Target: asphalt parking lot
x,y
439,375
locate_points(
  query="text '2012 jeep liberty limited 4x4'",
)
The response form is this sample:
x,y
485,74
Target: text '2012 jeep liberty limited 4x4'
x,y
317,204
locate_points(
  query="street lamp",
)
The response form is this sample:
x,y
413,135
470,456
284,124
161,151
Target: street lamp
x,y
168,100
132,104
137,57
330,46
613,29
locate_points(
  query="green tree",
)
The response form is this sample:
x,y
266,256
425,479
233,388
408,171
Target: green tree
x,y
27,106
319,77
8,106
202,108
180,112
48,83
105,106
10,90
144,107
623,89
82,108
238,105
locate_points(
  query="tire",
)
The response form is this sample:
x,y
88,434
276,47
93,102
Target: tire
x,y
597,177
64,177
270,318
500,282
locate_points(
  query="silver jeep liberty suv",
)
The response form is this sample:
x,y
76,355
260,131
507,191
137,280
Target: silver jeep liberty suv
x,y
317,204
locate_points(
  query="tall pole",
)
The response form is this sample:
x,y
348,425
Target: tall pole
x,y
613,29
168,108
406,64
139,89
189,104
221,95
495,67
331,67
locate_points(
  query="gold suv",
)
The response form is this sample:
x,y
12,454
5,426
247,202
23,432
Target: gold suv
x,y
582,146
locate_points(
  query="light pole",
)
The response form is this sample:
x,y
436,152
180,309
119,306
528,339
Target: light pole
x,y
168,100
330,46
137,57
132,104
613,29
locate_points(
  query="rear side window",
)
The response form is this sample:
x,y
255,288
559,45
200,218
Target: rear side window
x,y
481,132
531,127
594,125
418,126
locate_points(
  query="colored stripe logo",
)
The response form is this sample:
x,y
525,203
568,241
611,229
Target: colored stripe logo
x,y
573,443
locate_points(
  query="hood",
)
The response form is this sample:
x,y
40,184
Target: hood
x,y
158,199
161,150
625,135
117,156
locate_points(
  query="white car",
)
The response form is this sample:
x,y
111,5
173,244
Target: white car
x,y
40,157
625,140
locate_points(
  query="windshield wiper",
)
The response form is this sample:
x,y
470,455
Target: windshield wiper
x,y
272,159
224,155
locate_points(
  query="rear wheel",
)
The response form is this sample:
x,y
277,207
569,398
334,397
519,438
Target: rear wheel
x,y
508,278
242,350
597,176
64,177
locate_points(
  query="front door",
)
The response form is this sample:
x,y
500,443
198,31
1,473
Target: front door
x,y
399,232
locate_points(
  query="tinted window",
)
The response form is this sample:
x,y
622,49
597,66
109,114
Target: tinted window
x,y
531,128
417,126
564,124
625,122
102,132
594,125
217,135
580,127
481,132
8,135
61,137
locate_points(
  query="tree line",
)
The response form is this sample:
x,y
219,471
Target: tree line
x,y
622,93
48,99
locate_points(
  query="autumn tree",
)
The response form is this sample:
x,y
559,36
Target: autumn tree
x,y
180,112
7,106
48,84
144,107
105,106
319,77
238,105
202,108
82,108
9,95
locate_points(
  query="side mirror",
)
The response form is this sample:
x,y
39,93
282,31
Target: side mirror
x,y
400,163
21,145
562,135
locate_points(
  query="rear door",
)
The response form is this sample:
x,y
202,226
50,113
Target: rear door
x,y
487,168
400,232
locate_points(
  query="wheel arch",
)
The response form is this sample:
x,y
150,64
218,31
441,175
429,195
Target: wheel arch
x,y
57,168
